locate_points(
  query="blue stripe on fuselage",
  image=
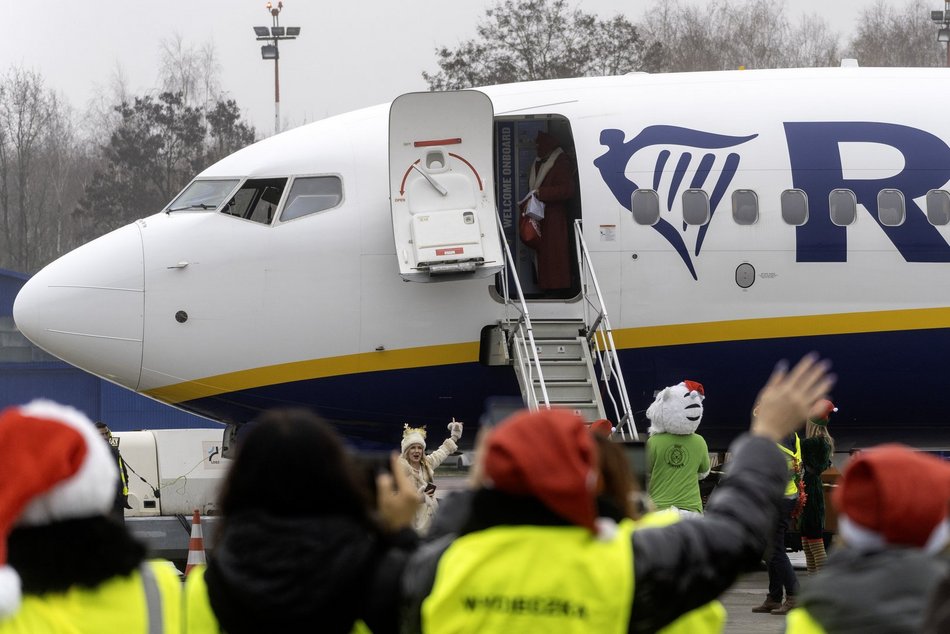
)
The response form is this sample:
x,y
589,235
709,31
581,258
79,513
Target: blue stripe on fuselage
x,y
889,388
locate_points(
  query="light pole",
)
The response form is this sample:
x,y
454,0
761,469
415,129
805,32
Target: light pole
x,y
942,19
270,51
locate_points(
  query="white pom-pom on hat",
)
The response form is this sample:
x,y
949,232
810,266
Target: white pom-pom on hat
x,y
9,591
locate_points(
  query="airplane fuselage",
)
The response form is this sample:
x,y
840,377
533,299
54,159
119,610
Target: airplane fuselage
x,y
226,316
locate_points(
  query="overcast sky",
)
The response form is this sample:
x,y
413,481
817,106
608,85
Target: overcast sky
x,y
350,54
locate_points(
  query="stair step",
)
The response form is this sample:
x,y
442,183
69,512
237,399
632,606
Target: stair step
x,y
572,349
588,411
557,328
561,370
566,391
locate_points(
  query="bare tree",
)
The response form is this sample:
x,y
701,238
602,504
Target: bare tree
x,y
814,44
193,72
894,36
522,40
722,35
32,126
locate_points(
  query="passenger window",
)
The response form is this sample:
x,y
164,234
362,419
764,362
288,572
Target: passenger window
x,y
312,194
890,207
695,207
794,207
645,205
843,206
745,207
938,207
257,199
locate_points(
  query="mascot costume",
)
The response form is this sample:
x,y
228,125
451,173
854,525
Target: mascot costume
x,y
677,457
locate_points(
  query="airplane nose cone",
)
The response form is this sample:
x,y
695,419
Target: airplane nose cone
x,y
87,307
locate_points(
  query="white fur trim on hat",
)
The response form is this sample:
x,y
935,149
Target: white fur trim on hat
x,y
91,491
858,537
413,438
938,538
865,540
9,591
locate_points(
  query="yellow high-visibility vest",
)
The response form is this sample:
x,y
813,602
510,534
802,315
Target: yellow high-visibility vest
x,y
549,579
794,460
121,604
799,621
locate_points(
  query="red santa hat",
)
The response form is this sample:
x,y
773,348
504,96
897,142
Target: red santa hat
x,y
822,410
603,427
548,455
893,495
695,386
54,466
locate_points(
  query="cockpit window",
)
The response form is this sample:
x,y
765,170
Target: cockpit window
x,y
203,195
312,194
257,199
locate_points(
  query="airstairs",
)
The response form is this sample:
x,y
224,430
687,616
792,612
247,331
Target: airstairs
x,y
570,363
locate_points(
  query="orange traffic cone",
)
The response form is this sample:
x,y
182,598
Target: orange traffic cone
x,y
196,545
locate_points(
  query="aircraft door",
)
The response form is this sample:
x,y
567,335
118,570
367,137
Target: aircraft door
x,y
441,186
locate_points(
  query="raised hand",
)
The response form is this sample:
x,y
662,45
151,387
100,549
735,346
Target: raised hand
x,y
786,399
397,498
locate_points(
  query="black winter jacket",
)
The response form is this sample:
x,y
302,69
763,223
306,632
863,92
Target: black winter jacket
x,y
278,574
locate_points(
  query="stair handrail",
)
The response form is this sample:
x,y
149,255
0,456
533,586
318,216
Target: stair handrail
x,y
529,350
600,331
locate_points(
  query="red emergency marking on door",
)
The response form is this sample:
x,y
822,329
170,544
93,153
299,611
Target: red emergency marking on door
x,y
450,251
402,185
471,167
434,142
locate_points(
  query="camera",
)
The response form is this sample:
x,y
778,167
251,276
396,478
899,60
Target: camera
x,y
374,463
368,465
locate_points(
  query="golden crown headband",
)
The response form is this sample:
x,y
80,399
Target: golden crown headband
x,y
407,430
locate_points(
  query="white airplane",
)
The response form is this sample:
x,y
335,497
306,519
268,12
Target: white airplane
x,y
731,218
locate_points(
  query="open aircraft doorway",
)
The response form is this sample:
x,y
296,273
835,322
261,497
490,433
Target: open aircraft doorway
x,y
547,270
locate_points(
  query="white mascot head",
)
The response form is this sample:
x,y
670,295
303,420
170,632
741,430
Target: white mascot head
x,y
677,409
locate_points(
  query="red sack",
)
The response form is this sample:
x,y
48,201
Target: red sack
x,y
530,231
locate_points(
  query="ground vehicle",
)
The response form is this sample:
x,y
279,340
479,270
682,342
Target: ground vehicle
x,y
172,472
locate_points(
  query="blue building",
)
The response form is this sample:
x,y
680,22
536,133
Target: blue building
x,y
27,372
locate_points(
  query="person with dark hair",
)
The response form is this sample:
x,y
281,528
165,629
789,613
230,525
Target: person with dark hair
x,y
298,544
616,486
66,566
530,556
122,488
817,449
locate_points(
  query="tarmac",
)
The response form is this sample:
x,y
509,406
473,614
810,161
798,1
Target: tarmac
x,y
746,593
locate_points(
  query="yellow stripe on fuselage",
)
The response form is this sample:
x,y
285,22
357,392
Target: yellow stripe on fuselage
x,y
628,338
776,327
421,357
